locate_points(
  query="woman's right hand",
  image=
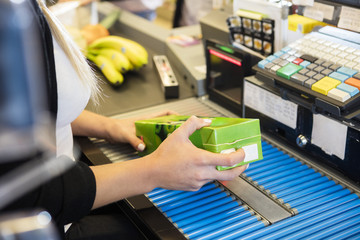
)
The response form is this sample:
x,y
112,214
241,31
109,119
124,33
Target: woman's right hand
x,y
178,164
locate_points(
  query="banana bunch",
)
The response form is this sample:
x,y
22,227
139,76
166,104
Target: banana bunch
x,y
107,67
115,55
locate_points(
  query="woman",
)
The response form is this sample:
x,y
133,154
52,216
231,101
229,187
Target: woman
x,y
73,195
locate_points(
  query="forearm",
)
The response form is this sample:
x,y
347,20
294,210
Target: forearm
x,y
121,180
91,125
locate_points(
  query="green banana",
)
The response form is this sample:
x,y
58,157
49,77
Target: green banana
x,y
120,61
137,54
108,69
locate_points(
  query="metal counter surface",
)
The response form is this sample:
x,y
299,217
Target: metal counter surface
x,y
140,90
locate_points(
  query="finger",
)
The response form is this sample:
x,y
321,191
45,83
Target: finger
x,y
230,174
194,123
227,160
136,143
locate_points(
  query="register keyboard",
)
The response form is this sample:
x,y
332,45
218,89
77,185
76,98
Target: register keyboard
x,y
321,71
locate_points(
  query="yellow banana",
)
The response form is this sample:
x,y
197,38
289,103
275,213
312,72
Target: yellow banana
x,y
137,54
114,77
120,61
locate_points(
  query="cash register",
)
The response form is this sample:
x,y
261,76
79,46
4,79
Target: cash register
x,y
306,95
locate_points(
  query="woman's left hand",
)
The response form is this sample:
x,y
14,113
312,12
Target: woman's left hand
x,y
113,130
123,130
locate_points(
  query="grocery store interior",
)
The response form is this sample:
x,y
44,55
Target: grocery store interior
x,y
177,119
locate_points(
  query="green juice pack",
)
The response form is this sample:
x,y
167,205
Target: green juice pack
x,y
224,135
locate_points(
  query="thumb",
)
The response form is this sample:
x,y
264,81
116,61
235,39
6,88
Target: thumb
x,y
194,123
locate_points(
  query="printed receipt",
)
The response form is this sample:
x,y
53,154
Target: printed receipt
x,y
349,19
303,2
329,135
319,12
270,105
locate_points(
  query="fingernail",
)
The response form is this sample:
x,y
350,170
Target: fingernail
x,y
206,120
141,147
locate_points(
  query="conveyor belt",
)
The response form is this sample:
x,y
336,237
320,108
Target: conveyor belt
x,y
318,206
319,202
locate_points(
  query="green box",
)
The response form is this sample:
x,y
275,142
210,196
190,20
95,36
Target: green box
x,y
224,135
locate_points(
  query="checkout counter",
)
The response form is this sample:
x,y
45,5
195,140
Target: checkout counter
x,y
294,192
140,89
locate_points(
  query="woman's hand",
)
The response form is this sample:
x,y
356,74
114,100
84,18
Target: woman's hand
x,y
123,130
178,164
90,124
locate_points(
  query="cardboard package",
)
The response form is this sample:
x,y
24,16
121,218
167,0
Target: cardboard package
x,y
224,135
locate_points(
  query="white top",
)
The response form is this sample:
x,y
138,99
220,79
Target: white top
x,y
73,97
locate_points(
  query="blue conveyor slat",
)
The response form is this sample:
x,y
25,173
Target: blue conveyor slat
x,y
311,221
336,206
289,174
347,233
254,170
355,234
230,227
307,196
336,228
299,184
224,202
182,195
327,223
217,223
319,201
157,191
272,158
195,201
237,234
274,182
275,170
160,197
231,208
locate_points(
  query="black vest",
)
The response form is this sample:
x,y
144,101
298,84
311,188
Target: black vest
x,y
48,56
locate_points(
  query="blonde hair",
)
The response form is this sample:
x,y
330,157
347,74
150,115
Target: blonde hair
x,y
73,52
